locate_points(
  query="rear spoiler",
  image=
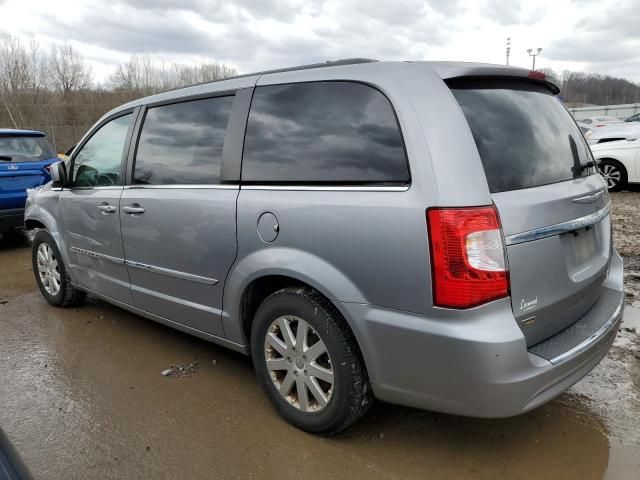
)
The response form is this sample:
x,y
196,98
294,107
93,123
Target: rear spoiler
x,y
457,70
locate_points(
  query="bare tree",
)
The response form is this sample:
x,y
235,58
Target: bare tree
x,y
14,64
69,71
142,75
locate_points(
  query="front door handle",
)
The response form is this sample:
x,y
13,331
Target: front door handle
x,y
134,209
106,208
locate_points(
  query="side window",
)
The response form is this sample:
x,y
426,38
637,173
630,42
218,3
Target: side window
x,y
181,143
98,162
323,132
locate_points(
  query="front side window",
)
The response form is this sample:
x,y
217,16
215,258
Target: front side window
x,y
323,132
98,163
181,143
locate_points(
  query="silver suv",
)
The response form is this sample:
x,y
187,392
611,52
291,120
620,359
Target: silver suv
x,y
429,234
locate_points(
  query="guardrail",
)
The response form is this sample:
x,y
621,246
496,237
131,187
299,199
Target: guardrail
x,y
620,111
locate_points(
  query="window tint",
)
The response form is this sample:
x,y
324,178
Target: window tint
x,y
98,163
182,143
525,136
339,132
25,149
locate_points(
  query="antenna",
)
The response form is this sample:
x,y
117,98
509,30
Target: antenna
x,y
508,49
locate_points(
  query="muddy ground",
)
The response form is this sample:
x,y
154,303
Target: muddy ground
x,y
82,396
626,234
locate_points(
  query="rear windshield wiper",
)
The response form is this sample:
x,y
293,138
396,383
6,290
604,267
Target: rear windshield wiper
x,y
583,166
6,158
578,167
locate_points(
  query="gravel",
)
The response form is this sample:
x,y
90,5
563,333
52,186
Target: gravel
x,y
626,236
180,371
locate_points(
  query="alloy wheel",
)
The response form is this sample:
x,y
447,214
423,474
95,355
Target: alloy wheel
x,y
48,269
299,363
611,174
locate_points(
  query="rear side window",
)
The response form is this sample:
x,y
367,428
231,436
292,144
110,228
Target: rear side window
x,y
24,149
181,143
525,136
323,132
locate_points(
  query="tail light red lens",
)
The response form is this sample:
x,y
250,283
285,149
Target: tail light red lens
x,y
467,256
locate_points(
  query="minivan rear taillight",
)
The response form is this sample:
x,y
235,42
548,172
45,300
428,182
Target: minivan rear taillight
x,y
467,256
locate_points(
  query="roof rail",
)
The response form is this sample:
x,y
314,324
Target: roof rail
x,y
333,63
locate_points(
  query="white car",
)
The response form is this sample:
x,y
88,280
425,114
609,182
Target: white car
x,y
596,122
613,132
619,162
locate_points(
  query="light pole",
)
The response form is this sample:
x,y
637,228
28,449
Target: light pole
x,y
534,55
508,49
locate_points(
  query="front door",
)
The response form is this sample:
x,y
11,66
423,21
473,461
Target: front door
x,y
178,222
90,211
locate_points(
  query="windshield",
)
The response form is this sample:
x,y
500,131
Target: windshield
x,y
24,149
525,136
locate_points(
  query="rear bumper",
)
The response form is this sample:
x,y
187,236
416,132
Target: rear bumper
x,y
11,218
478,366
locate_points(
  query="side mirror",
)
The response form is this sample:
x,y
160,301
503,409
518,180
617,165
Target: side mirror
x,y
58,171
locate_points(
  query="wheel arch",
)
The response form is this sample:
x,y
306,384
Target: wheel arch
x,y
42,219
266,271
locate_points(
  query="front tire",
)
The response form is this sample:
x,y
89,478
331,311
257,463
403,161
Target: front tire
x,y
51,274
308,363
614,174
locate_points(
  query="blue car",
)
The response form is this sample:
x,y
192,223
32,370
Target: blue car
x,y
25,157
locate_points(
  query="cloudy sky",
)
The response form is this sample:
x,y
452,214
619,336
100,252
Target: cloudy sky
x,y
590,35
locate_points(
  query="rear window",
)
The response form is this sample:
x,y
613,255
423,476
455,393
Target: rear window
x,y
323,132
24,149
525,136
181,143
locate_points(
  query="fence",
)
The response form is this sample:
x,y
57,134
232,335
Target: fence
x,y
620,111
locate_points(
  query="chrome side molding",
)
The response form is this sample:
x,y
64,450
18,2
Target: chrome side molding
x,y
559,228
99,256
171,273
143,266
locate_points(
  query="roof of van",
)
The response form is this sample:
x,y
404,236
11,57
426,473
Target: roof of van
x,y
445,70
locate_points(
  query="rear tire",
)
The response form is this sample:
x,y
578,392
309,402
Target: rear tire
x,y
324,393
614,174
51,274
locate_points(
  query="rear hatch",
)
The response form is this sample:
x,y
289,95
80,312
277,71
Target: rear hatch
x,y
553,205
24,160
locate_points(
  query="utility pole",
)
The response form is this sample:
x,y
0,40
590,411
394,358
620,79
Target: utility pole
x,y
534,55
508,49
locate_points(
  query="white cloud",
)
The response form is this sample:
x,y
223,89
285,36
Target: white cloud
x,y
253,35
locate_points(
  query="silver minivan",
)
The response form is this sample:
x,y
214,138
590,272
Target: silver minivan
x,y
429,234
